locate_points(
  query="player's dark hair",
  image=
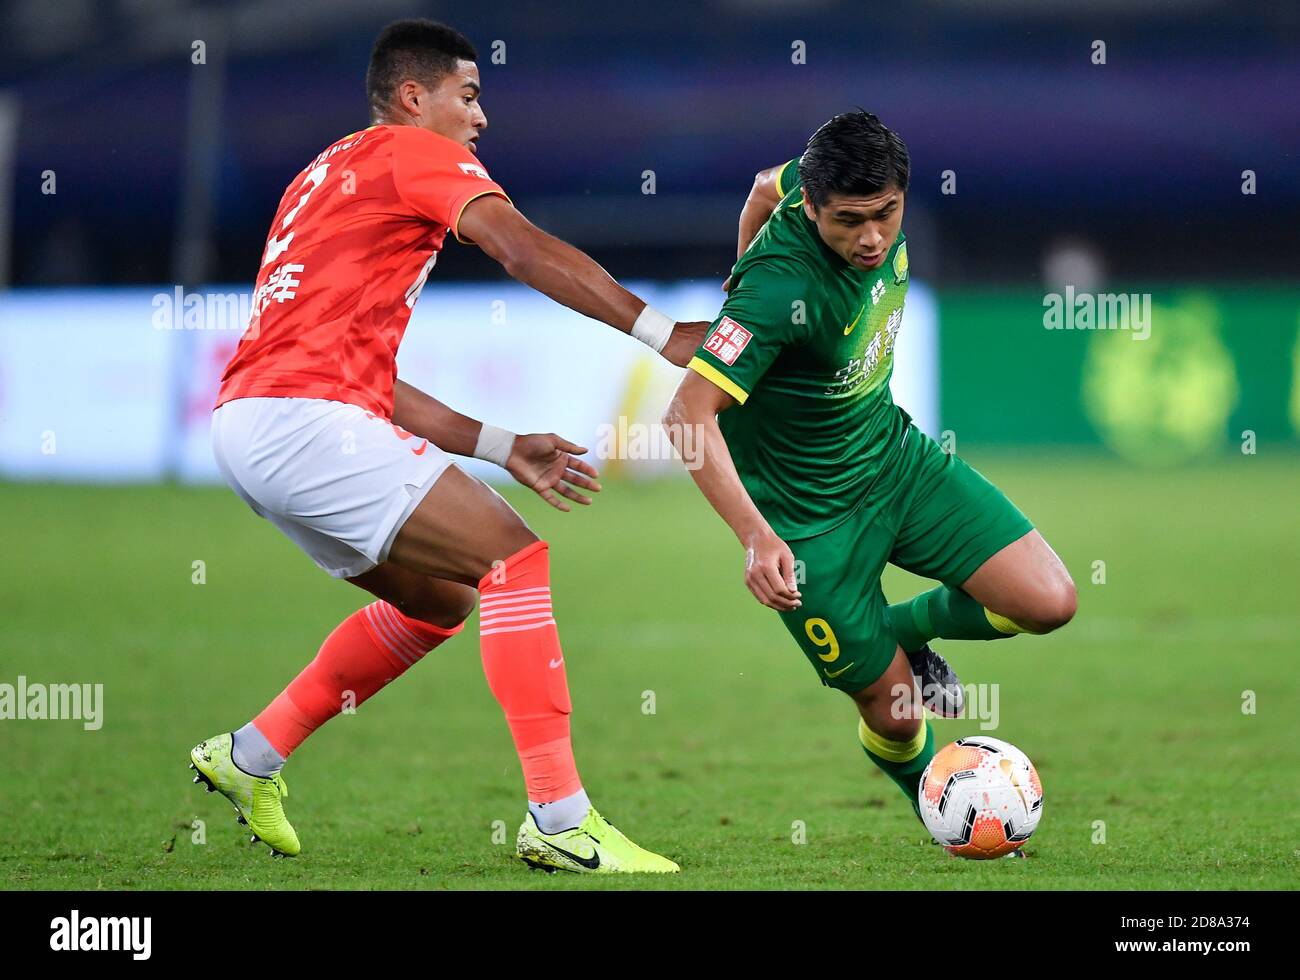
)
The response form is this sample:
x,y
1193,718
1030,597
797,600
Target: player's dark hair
x,y
419,49
854,154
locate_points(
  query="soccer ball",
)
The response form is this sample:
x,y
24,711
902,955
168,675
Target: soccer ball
x,y
980,797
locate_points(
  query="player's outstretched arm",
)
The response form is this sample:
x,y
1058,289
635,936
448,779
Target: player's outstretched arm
x,y
769,563
570,276
542,461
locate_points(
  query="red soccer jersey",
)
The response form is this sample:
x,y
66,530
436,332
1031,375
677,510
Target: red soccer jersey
x,y
351,245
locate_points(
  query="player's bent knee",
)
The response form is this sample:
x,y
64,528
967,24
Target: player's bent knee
x,y
521,536
895,720
1061,605
498,546
446,609
895,729
450,616
1054,608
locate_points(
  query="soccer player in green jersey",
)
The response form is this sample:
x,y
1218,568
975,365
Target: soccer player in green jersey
x,y
802,451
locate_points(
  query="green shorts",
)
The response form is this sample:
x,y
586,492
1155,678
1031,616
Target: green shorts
x,y
929,513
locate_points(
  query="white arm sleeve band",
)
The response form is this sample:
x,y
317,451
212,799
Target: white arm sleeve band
x,y
653,328
494,444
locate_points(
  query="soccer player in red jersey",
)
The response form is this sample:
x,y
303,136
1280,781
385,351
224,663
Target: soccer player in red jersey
x,y
315,432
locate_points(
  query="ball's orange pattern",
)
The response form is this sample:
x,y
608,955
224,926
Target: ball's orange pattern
x,y
948,760
988,840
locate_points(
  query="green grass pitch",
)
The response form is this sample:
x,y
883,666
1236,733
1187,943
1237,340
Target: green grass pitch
x,y
1133,713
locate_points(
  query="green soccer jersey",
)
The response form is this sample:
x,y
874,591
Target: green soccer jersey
x,y
805,342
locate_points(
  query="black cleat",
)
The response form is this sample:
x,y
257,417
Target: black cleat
x,y
941,691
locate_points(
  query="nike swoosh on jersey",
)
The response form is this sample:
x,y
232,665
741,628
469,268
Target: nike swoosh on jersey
x,y
423,446
849,329
556,663
591,863
833,674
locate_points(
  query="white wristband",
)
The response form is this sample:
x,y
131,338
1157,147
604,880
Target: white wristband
x,y
653,328
494,444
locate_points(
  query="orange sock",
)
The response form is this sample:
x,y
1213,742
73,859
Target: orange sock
x,y
367,650
524,665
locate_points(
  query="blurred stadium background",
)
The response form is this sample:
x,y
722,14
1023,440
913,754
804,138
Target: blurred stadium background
x,y
125,165
144,145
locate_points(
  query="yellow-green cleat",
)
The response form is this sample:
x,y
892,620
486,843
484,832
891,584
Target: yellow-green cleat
x,y
257,799
595,846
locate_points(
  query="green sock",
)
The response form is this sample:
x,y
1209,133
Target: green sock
x,y
948,614
903,762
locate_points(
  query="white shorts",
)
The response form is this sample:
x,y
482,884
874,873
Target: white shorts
x,y
337,479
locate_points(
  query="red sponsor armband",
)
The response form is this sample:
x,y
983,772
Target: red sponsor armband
x,y
728,341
